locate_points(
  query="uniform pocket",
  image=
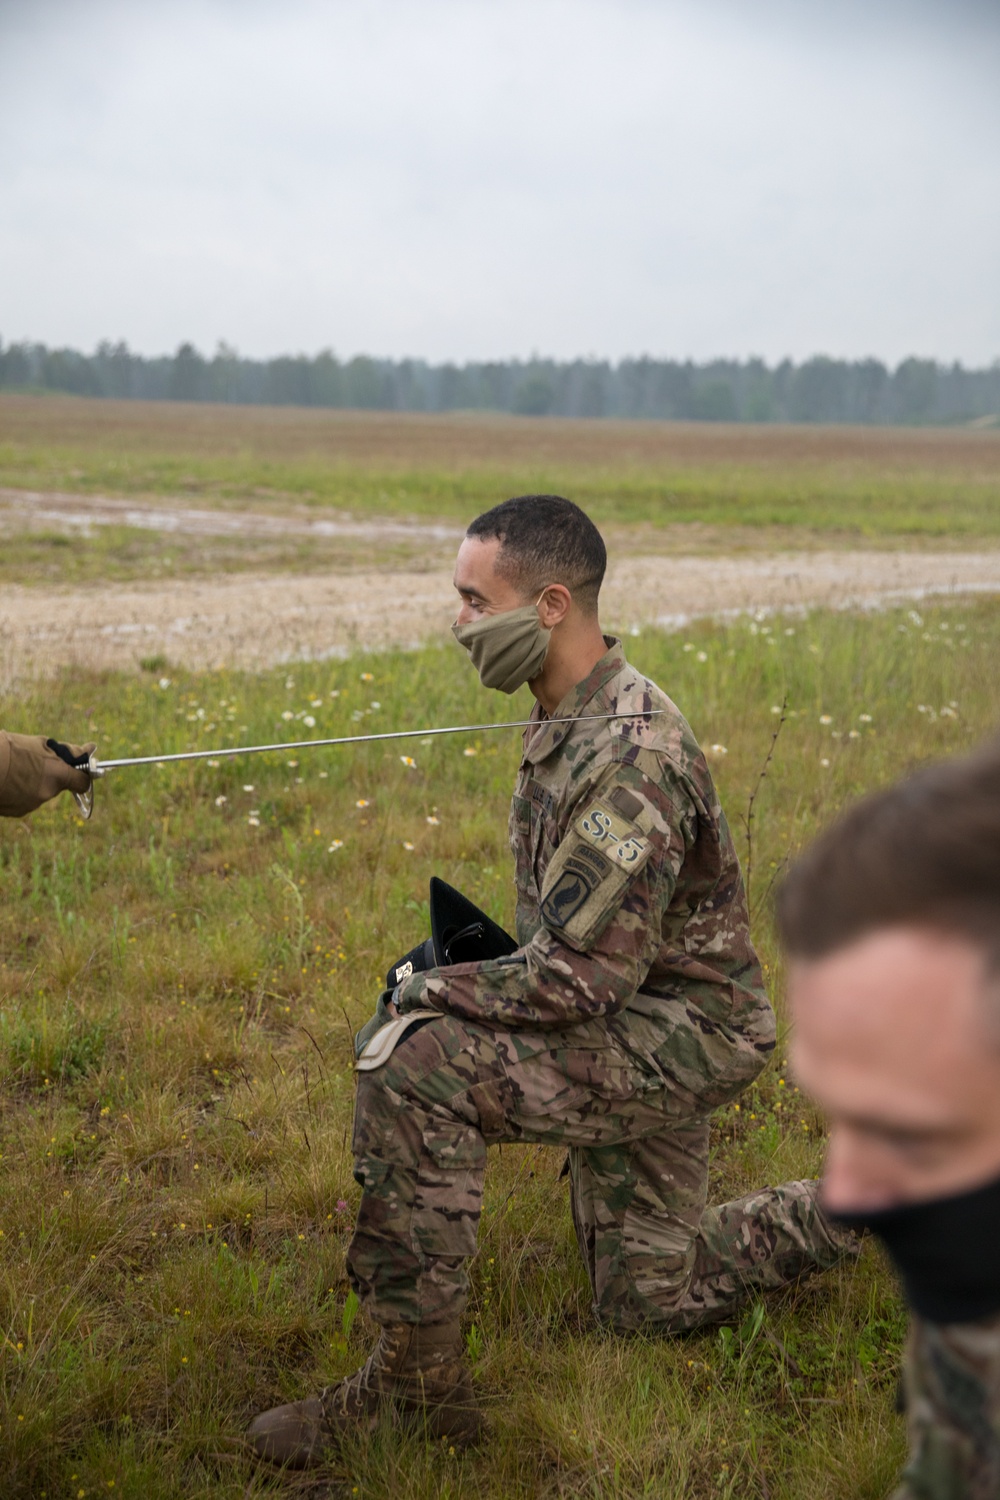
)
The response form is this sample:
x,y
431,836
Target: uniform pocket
x,y
454,1147
449,1190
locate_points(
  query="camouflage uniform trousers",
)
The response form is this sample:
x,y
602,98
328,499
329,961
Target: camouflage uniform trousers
x,y
655,1256
952,1383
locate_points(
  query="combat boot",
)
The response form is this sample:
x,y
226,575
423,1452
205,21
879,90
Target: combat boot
x,y
415,1369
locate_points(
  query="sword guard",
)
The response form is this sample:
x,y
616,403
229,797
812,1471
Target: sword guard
x,y
93,768
85,802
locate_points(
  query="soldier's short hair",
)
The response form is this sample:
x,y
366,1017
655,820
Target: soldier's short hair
x,y
546,539
922,853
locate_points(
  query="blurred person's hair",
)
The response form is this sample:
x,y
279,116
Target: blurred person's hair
x,y
924,852
545,539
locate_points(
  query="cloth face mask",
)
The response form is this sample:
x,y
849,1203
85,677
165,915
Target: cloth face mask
x,y
946,1251
507,650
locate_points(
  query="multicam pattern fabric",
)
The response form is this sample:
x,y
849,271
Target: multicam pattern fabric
x,y
672,922
639,1173
634,1007
952,1382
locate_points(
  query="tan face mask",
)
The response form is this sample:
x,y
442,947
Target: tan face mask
x,y
507,650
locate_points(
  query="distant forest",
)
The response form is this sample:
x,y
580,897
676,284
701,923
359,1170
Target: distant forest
x,y
917,391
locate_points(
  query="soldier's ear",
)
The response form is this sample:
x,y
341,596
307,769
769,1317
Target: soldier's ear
x,y
554,604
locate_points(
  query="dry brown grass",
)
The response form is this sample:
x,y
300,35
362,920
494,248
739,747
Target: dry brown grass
x,y
458,441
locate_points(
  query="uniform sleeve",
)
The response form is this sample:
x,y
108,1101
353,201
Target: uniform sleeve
x,y
31,773
603,900
11,798
952,1383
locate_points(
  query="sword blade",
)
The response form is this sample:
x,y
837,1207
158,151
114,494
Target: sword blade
x,y
98,767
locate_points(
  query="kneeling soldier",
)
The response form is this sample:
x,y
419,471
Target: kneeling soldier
x,y
633,1007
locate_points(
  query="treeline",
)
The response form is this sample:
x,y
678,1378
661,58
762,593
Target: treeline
x,y
917,391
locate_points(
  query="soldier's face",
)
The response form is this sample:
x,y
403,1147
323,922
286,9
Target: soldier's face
x,y
481,590
897,1038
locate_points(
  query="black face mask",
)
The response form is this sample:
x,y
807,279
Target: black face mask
x,y
947,1252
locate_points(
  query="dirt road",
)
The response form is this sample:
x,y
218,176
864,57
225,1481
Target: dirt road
x,y
31,510
250,620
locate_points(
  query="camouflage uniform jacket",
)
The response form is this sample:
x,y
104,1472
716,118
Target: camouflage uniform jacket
x,y
630,900
952,1382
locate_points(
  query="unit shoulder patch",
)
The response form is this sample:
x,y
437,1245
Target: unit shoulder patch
x,y
590,871
608,831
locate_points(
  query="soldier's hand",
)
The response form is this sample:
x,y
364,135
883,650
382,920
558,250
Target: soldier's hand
x,y
39,769
76,758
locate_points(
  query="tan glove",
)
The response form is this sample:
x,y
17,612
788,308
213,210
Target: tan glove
x,y
34,769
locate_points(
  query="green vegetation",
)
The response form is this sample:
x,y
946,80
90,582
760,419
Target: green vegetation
x,y
180,980
727,390
819,498
117,554
793,484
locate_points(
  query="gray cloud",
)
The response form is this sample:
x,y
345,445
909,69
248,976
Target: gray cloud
x,y
475,178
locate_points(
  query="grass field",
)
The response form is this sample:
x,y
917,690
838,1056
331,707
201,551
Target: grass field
x,y
856,484
119,554
180,980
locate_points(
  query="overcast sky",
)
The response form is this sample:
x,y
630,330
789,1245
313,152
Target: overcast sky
x,y
465,179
